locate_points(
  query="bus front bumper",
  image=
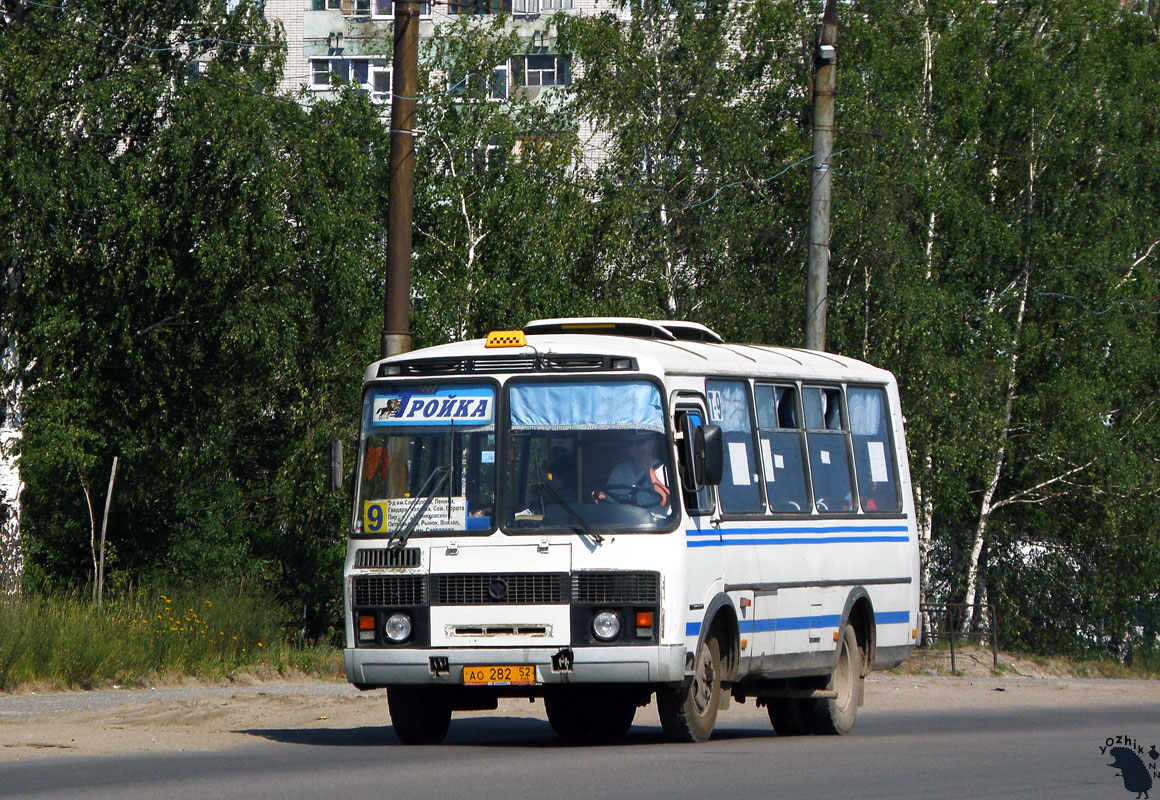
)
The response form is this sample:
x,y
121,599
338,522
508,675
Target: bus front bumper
x,y
369,667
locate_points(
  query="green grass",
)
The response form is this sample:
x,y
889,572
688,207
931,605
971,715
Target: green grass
x,y
143,639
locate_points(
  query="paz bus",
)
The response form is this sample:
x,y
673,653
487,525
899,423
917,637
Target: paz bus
x,y
597,512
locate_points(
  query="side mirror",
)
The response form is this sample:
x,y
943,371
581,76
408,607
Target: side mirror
x,y
334,469
709,455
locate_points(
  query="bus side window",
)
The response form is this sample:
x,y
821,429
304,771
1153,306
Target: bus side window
x,y
782,445
740,489
698,500
826,442
873,449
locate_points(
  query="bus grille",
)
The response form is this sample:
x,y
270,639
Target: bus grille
x,y
386,557
499,589
615,587
390,590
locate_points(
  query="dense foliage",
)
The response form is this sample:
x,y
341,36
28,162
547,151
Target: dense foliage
x,y
195,265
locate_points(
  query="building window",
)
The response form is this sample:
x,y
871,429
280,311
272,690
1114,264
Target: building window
x,y
321,70
498,87
479,6
386,8
371,75
380,82
484,159
479,87
538,70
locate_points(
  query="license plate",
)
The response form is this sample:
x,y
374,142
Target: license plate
x,y
513,675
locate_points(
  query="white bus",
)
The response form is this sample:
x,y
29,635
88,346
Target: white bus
x,y
595,511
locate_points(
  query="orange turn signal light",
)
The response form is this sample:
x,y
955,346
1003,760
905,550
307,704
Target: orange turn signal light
x,y
644,619
366,622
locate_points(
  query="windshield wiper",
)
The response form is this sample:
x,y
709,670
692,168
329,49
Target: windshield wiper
x,y
544,487
439,476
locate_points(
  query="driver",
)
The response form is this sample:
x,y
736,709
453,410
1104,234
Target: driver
x,y
640,479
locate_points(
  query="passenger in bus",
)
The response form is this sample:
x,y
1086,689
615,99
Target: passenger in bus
x,y
640,479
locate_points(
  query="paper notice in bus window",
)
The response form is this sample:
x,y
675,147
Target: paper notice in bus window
x,y
439,515
878,471
825,456
767,459
779,461
739,463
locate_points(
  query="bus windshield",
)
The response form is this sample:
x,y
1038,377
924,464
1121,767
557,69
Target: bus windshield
x,y
427,460
587,456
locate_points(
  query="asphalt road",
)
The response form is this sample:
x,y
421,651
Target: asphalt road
x,y
1023,753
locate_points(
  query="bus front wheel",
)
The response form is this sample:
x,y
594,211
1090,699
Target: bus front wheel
x,y
581,714
688,714
420,714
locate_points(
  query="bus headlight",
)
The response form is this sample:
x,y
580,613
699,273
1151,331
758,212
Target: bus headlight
x,y
606,625
398,628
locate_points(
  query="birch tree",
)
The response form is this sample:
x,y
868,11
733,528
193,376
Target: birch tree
x,y
502,229
697,101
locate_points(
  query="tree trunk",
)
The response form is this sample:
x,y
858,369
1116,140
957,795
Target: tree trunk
x,y
925,522
11,549
987,505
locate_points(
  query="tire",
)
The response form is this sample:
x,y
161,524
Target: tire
x,y
564,715
786,717
613,718
420,714
835,717
582,715
688,714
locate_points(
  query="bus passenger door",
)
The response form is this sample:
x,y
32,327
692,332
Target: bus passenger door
x,y
703,556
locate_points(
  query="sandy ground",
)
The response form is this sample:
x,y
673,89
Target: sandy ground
x,y
201,718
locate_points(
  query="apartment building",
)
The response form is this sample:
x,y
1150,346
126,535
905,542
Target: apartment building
x,y
351,40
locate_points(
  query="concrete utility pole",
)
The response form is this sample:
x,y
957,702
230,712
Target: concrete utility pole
x,y
818,263
405,78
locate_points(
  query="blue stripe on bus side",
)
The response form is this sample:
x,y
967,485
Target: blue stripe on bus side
x,y
808,540
802,529
803,623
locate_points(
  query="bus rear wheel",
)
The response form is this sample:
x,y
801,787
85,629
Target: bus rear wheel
x,y
420,714
835,715
689,714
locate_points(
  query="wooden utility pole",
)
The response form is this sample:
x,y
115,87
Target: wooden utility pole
x,y
405,79
818,263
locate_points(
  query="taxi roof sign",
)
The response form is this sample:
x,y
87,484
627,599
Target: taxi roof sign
x,y
506,339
